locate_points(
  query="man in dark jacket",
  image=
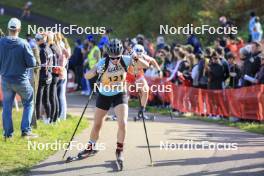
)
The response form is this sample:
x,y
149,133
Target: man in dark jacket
x,y
260,74
194,41
76,63
216,73
234,71
16,57
251,61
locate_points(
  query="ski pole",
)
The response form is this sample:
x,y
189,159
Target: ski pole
x,y
89,99
145,129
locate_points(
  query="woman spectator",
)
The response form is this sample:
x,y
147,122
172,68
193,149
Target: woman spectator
x,y
64,51
45,78
55,78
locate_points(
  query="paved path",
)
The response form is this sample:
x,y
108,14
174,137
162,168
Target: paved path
x,y
247,160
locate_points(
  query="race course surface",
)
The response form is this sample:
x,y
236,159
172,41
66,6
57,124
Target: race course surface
x,y
248,159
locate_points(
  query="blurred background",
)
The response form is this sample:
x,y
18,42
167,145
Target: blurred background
x,y
131,17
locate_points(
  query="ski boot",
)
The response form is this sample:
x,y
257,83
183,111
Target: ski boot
x,y
119,160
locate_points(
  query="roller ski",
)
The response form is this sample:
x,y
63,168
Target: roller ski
x,y
119,157
88,152
141,115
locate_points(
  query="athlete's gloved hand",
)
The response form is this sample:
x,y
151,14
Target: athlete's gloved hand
x,y
100,69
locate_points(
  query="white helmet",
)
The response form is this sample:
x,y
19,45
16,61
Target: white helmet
x,y
139,49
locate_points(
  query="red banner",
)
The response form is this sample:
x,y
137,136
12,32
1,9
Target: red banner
x,y
244,103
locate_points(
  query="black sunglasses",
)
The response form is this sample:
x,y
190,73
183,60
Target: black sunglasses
x,y
115,58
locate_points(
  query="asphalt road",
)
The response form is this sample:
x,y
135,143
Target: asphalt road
x,y
247,159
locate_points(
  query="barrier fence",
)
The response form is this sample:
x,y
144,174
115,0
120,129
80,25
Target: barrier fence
x,y
244,103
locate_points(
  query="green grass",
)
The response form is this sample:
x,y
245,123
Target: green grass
x,y
17,159
254,127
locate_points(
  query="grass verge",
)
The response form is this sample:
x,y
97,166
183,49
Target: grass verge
x,y
250,126
17,159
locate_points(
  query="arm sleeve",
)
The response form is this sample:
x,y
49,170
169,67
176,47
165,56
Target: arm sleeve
x,y
29,56
100,63
127,60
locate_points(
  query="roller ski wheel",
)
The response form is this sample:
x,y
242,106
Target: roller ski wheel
x,y
119,160
71,159
82,155
136,119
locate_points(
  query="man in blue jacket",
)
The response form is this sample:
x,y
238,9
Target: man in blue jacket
x,y
16,57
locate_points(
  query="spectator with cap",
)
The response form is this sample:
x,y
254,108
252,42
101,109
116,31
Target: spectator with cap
x,y
16,57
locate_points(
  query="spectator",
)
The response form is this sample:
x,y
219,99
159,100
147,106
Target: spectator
x,y
234,71
104,40
160,42
195,70
260,74
194,41
54,101
45,78
16,57
227,24
63,60
257,31
27,10
216,73
76,63
251,65
224,63
93,56
251,25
